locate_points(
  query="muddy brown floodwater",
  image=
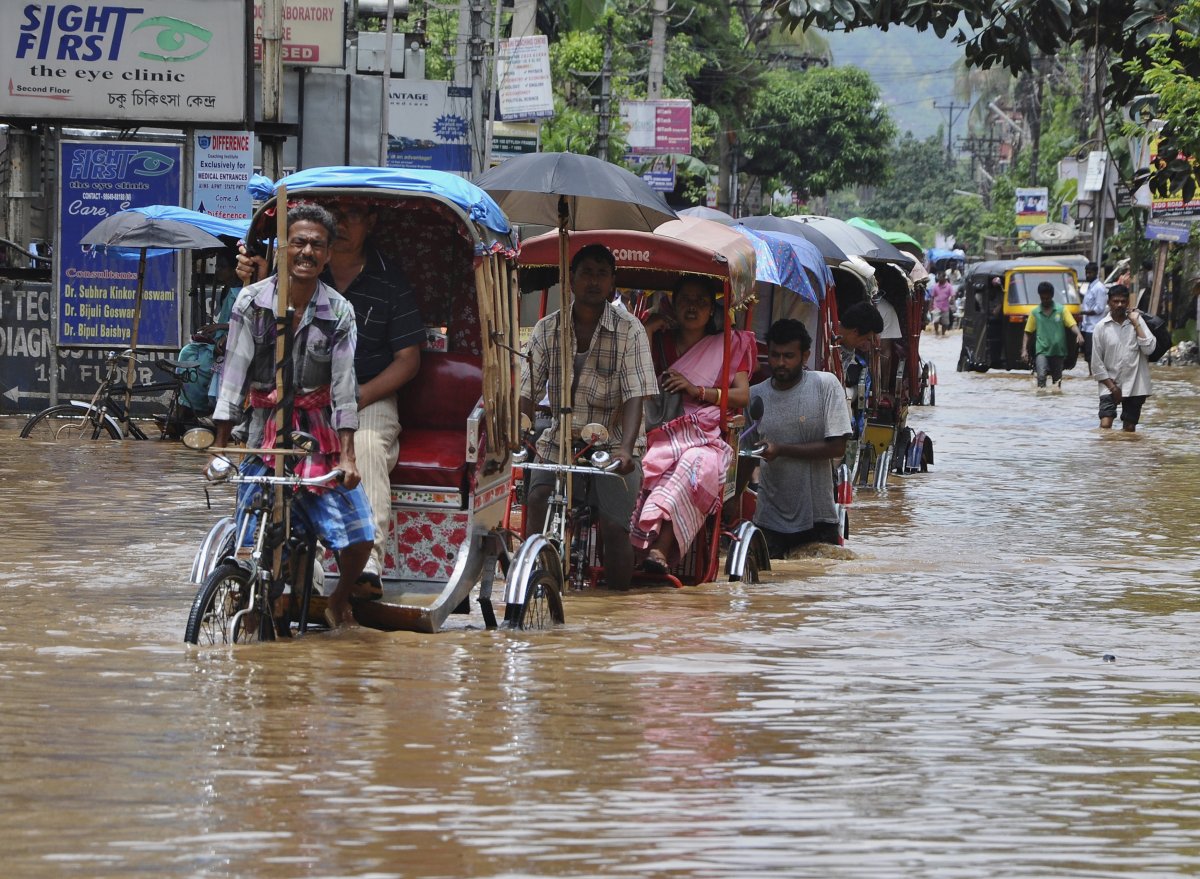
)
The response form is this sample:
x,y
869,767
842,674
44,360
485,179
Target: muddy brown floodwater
x,y
938,706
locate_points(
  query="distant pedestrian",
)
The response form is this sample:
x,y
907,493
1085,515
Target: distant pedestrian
x,y
1046,336
1121,347
1095,306
941,298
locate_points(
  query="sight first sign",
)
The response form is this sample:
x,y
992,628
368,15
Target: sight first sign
x,y
160,61
96,291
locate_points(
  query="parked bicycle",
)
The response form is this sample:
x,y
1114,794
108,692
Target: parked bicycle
x,y
105,416
256,589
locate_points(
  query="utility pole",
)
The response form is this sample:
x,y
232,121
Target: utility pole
x,y
605,95
658,50
477,56
384,103
1035,119
272,88
953,111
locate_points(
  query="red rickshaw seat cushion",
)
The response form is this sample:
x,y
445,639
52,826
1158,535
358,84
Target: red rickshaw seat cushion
x,y
434,407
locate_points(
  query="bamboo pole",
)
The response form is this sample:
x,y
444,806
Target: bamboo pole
x,y
137,318
566,329
282,263
514,341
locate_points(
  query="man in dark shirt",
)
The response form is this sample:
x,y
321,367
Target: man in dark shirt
x,y
388,354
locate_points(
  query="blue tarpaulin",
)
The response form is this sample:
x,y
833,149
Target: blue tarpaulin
x,y
478,205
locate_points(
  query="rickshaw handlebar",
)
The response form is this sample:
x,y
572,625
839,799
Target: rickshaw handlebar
x,y
295,481
608,469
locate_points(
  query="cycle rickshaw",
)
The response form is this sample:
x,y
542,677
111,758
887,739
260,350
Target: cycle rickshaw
x,y
450,484
562,553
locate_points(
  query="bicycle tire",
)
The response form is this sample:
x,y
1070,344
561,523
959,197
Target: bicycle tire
x,y
69,423
225,592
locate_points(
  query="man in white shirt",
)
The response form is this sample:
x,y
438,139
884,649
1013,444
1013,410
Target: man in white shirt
x,y
1095,306
1121,347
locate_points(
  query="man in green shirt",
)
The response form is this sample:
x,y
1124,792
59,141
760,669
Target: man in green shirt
x,y
1047,329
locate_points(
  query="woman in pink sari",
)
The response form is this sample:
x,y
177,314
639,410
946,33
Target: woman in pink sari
x,y
686,459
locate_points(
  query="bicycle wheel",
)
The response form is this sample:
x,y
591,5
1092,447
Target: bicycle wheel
x,y
227,591
69,423
542,607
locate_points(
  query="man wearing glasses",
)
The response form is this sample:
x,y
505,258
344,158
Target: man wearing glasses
x,y
390,335
326,392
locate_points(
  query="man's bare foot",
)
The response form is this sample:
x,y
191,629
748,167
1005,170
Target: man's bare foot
x,y
340,615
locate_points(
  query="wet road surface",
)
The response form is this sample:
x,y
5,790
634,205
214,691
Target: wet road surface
x,y
939,706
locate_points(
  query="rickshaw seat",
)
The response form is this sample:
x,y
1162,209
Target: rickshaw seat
x,y
434,407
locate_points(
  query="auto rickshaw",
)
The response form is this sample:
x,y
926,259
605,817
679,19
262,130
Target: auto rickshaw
x,y
459,418
566,555
999,296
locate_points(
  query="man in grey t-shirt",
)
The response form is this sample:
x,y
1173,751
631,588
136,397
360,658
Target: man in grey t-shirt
x,y
805,424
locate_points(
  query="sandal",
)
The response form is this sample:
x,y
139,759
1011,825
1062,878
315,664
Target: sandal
x,y
655,563
368,587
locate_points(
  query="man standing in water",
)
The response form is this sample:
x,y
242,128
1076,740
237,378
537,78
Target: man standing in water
x,y
326,403
1094,307
390,335
1121,348
805,424
1047,326
613,372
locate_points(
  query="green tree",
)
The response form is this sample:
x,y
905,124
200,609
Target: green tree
x,y
818,131
920,187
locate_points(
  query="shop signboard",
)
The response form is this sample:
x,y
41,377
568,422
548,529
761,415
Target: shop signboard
x,y
657,128
314,33
427,125
224,161
96,291
172,62
523,75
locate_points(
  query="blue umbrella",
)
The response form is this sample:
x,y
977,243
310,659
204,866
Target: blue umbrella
x,y
797,263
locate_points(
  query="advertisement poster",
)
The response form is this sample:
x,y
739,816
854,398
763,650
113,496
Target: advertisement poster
x,y
427,125
658,127
661,174
1170,204
314,32
223,165
511,139
96,291
1032,209
172,61
523,73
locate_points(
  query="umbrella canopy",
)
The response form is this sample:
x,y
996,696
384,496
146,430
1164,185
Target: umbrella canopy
x,y
342,179
159,229
800,265
599,195
896,238
853,241
707,213
829,249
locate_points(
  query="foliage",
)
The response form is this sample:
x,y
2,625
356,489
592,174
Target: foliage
x,y
1171,71
1003,33
920,187
818,131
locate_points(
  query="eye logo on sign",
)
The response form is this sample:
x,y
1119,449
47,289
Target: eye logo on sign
x,y
173,34
147,163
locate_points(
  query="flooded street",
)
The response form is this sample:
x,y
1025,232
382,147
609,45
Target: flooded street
x,y
939,706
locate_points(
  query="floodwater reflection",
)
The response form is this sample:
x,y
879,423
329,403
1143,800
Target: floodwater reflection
x,y
937,706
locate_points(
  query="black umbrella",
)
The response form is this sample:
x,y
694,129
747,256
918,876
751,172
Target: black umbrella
x,y
854,240
829,249
145,231
599,194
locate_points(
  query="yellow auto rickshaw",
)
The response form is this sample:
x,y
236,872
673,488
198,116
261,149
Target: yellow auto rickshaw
x,y
998,297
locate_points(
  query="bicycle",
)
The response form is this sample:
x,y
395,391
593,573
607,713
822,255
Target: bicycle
x,y
105,415
254,591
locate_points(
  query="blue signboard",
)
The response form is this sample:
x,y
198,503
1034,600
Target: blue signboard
x,y
96,291
1175,231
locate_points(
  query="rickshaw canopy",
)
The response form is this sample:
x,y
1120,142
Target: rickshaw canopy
x,y
646,260
478,206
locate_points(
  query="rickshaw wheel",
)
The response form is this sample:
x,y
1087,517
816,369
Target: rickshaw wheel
x,y
225,592
543,608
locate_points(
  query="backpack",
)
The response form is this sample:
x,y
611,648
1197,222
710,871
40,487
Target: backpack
x,y
1162,336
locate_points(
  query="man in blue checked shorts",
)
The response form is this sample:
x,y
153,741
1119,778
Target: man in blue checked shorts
x,y
326,392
